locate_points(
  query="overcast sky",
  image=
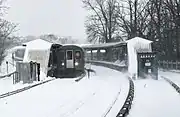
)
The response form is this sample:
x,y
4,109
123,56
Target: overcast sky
x,y
35,17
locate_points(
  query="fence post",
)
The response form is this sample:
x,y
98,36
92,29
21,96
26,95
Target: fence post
x,y
7,66
176,65
172,66
167,64
159,63
163,64
38,71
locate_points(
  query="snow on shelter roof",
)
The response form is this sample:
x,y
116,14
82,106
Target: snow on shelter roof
x,y
104,45
38,44
139,40
134,46
140,44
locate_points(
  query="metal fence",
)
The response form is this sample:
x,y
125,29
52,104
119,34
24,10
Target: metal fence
x,y
169,65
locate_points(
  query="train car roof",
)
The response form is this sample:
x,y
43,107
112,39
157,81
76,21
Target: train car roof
x,y
80,45
71,46
104,45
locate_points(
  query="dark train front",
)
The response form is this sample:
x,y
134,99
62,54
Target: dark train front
x,y
66,61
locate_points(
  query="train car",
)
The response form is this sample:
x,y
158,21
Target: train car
x,y
53,61
70,62
18,53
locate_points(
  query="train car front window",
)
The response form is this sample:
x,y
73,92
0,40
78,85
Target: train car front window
x,y
78,54
69,55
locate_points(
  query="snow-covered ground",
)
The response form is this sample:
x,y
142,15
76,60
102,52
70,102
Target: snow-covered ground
x,y
63,97
6,84
3,67
155,98
173,76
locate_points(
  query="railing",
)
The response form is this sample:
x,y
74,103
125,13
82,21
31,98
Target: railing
x,y
7,75
169,65
109,65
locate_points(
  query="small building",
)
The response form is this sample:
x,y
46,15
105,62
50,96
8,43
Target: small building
x,y
120,52
38,51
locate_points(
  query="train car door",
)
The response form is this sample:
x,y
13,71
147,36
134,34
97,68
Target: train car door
x,y
69,59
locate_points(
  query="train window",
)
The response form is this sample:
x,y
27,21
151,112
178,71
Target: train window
x,y
20,53
69,55
102,51
78,54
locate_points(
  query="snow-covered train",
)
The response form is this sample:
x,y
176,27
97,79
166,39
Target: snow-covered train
x,y
66,61
55,60
137,55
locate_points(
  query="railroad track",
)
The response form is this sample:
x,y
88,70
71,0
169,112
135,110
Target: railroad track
x,y
29,87
81,77
175,86
127,105
22,89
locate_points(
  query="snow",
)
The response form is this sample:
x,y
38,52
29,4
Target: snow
x,y
111,63
134,46
155,98
38,44
3,67
103,45
17,47
38,51
6,84
173,76
80,45
64,97
120,63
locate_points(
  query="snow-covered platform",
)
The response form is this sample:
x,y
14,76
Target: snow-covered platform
x,y
173,76
65,97
155,98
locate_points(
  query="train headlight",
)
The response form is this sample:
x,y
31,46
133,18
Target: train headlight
x,y
62,64
76,63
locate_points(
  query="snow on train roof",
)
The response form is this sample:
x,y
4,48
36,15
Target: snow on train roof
x,y
16,48
38,44
104,45
80,45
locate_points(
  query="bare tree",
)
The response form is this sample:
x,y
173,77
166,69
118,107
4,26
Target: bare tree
x,y
133,18
101,25
6,29
174,9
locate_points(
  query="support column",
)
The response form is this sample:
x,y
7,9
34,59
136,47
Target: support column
x,y
91,55
98,54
